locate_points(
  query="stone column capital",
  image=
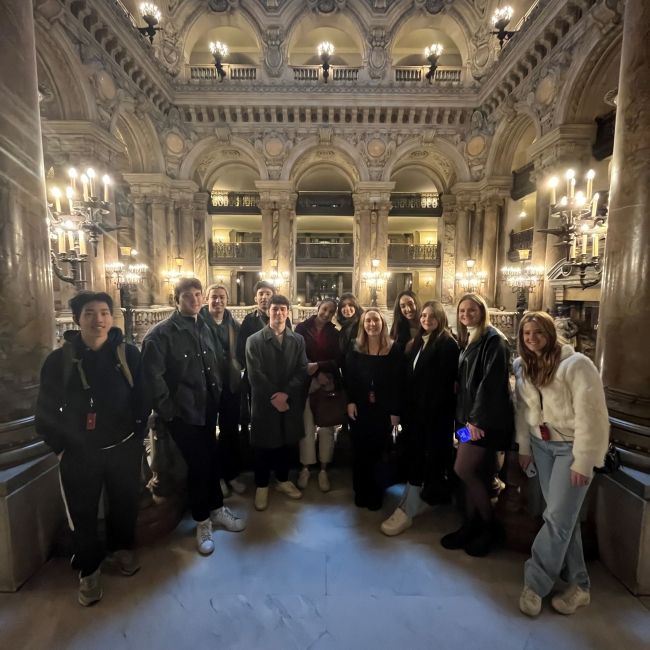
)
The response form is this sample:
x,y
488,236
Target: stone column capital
x,y
569,144
149,186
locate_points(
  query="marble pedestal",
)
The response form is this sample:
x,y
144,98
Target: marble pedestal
x,y
623,527
31,511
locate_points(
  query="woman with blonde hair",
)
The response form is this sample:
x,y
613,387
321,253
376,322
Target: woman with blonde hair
x,y
372,376
563,427
484,406
427,416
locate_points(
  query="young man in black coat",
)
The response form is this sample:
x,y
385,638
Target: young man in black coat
x,y
181,370
91,412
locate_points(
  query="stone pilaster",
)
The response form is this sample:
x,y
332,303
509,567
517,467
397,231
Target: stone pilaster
x,y
447,240
622,348
371,207
492,201
278,206
200,237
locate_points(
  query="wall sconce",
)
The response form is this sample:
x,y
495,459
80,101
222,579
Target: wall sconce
x,y
500,20
151,15
432,54
219,52
325,51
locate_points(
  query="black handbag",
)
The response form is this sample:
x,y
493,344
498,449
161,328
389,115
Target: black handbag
x,y
330,407
612,461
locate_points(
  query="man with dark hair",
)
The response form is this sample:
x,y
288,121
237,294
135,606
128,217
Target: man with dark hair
x,y
277,367
90,411
225,329
182,372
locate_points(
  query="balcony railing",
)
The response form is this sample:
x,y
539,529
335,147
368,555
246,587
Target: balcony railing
x,y
239,253
315,73
324,203
426,204
237,202
518,241
427,255
324,253
416,73
234,72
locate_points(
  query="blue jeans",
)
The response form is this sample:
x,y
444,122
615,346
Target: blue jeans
x,y
558,545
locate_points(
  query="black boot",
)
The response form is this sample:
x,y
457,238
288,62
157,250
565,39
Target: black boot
x,y
490,535
461,537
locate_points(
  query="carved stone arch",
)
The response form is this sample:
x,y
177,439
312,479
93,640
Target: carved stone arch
x,y
585,72
198,21
141,140
338,152
436,154
429,169
72,94
451,24
506,140
214,172
212,148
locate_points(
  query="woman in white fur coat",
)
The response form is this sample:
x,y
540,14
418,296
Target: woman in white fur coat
x,y
562,426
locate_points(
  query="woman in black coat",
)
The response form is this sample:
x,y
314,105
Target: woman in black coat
x,y
406,318
427,415
348,313
484,406
372,376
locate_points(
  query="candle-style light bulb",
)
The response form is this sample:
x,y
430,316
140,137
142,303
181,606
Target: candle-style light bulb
x,y
552,184
84,184
591,174
90,172
106,179
56,193
72,175
69,193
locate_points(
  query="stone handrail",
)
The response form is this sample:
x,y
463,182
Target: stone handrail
x,y
416,73
234,72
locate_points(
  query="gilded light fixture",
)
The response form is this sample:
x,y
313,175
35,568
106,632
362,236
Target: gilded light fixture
x,y
151,15
219,52
432,53
325,51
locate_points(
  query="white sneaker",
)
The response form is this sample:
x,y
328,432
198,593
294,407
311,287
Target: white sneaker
x,y
288,488
227,519
225,490
568,601
261,498
204,541
237,486
530,603
324,481
303,478
90,589
397,523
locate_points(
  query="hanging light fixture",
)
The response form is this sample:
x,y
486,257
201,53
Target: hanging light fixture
x,y
502,16
275,277
219,52
523,279
375,280
325,51
151,15
432,53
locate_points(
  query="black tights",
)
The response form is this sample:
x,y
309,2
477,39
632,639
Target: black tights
x,y
473,465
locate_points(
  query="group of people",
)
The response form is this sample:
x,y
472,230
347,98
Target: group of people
x,y
411,387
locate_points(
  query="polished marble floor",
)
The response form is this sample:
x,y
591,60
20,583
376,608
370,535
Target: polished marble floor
x,y
316,574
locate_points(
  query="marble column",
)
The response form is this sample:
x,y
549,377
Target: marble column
x,y
622,349
26,317
488,262
362,249
476,234
201,233
142,244
462,244
287,231
160,207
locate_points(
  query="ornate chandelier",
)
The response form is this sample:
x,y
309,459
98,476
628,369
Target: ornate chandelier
x,y
151,15
523,279
219,52
325,51
582,227
75,223
432,53
500,19
470,279
275,277
375,280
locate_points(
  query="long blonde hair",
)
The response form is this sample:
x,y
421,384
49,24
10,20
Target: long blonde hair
x,y
539,370
463,334
385,342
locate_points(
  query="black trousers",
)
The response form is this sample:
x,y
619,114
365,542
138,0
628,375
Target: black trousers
x,y
277,459
369,448
229,440
84,472
198,445
429,462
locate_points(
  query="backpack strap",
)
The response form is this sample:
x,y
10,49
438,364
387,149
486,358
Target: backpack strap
x,y
124,366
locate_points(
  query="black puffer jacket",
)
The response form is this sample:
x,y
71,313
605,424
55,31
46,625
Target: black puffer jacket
x,y
484,398
180,365
63,406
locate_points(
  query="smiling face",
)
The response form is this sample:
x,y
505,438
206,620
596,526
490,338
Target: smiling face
x,y
325,312
95,320
278,316
428,321
535,339
263,299
469,313
372,324
408,307
347,309
190,301
217,302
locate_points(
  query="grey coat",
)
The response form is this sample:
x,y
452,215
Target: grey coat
x,y
273,367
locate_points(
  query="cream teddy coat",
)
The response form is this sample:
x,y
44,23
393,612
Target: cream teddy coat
x,y
574,410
